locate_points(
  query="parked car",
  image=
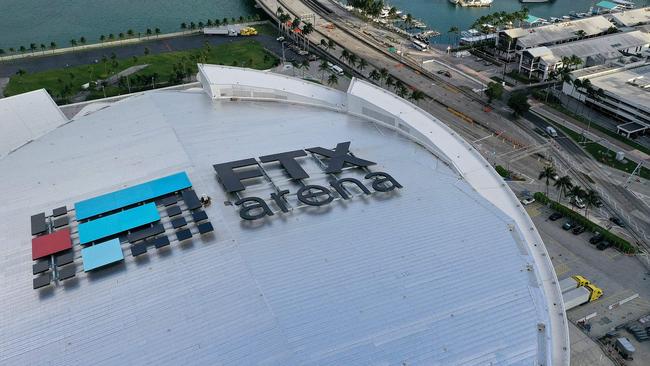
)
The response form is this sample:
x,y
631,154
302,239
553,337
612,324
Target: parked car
x,y
598,203
596,238
568,225
527,200
617,221
578,230
577,201
555,216
603,245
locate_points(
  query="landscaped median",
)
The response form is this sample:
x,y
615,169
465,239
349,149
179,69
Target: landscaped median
x,y
620,243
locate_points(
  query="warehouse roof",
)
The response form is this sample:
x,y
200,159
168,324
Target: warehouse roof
x,y
447,269
631,18
557,32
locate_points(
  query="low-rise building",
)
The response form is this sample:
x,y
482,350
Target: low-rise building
x,y
632,18
539,62
515,40
620,91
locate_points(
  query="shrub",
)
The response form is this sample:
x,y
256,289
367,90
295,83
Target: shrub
x,y
620,243
502,171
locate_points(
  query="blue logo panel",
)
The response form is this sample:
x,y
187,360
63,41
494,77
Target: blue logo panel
x,y
132,195
102,254
117,223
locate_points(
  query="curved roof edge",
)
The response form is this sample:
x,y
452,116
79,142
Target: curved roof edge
x,y
369,101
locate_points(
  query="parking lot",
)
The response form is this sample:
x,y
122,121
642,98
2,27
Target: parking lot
x,y
621,277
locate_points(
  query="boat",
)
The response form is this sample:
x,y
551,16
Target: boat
x,y
534,1
624,4
472,3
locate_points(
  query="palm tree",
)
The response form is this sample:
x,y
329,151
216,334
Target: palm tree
x,y
129,32
362,64
563,185
548,173
332,80
52,46
454,30
305,66
43,48
402,91
201,25
383,72
23,49
591,198
576,192
148,32
390,82
209,23
323,43
21,72
307,29
82,40
345,55
581,33
322,67
2,51
12,50
73,42
111,36
416,95
184,26
331,45
374,75
408,20
102,38
352,59
157,32
121,35
32,47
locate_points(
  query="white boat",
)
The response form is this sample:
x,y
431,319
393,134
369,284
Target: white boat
x,y
472,3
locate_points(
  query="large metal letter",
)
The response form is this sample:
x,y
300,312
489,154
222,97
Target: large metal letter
x,y
230,179
310,194
339,157
246,211
379,184
288,162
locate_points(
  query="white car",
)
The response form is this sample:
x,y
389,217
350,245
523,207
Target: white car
x,y
578,202
527,200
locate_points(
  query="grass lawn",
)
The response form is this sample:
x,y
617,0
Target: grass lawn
x,y
603,154
64,83
600,128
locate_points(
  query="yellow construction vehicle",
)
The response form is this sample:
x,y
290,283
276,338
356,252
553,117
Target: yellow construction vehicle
x,y
248,31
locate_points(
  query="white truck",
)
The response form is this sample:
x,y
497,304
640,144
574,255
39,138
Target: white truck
x,y
581,295
573,282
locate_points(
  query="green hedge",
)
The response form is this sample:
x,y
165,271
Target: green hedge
x,y
502,171
622,244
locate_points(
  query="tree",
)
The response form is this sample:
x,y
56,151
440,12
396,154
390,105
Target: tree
x,y
148,31
455,30
305,66
408,21
52,45
519,103
332,80
307,29
2,51
322,67
416,96
32,47
43,48
590,199
121,35
374,75
576,192
352,59
331,45
22,49
384,74
402,91
494,91
295,24
390,81
11,49
201,25
345,55
157,32
73,42
102,38
548,173
82,40
581,33
129,32
146,51
21,72
563,185
209,23
184,26
362,64
111,36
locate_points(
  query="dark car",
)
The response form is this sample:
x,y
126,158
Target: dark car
x,y
568,225
578,230
555,216
617,221
598,203
603,245
596,238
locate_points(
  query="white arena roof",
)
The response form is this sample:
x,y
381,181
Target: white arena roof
x,y
445,269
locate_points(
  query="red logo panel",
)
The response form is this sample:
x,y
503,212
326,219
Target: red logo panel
x,y
51,243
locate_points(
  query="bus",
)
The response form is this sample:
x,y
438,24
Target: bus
x,y
420,46
335,69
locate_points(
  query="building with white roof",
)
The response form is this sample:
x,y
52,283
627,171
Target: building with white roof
x,y
624,94
341,228
540,61
519,39
632,18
